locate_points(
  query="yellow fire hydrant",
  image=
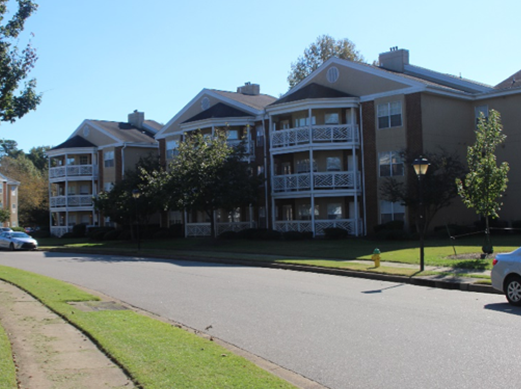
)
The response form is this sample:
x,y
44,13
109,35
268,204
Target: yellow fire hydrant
x,y
376,257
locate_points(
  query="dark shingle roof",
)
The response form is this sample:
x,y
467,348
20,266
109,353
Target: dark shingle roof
x,y
76,141
312,91
514,81
218,110
125,132
258,102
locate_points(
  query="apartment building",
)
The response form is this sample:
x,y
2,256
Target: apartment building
x,y
9,199
242,115
93,159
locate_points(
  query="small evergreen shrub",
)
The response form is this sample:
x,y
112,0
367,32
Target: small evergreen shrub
x,y
248,233
79,230
335,233
164,233
20,229
392,225
68,235
125,235
226,235
265,234
293,235
111,235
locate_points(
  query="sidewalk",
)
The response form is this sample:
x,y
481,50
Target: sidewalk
x,y
50,353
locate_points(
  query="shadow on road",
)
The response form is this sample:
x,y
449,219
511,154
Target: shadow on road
x,y
381,290
504,307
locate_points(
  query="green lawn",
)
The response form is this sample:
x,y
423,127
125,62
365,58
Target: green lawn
x,y
331,253
7,368
156,354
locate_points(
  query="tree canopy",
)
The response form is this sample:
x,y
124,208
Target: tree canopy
x,y
485,183
319,52
17,94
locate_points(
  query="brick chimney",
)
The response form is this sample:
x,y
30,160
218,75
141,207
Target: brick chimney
x,y
395,59
249,89
136,119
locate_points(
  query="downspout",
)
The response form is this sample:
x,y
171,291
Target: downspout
x,y
266,208
361,134
123,160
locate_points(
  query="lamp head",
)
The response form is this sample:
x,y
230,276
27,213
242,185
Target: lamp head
x,y
420,165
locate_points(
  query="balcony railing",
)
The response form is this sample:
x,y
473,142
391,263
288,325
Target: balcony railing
x,y
320,225
321,180
73,171
342,133
71,201
204,229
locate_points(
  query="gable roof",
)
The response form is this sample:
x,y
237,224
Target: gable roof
x,y
312,91
9,181
218,110
514,81
125,132
76,141
258,102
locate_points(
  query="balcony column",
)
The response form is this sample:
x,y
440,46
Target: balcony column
x,y
213,130
310,115
312,189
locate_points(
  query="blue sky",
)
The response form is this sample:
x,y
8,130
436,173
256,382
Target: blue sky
x,y
102,59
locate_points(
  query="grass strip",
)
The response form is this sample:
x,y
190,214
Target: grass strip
x,y
7,367
155,354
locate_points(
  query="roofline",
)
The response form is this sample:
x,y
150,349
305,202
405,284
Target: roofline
x,y
90,122
328,102
70,150
212,93
204,123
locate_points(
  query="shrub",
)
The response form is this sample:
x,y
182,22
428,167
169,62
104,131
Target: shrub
x,y
228,235
392,235
163,233
68,235
265,234
111,235
79,230
454,230
125,235
94,231
177,230
43,233
307,235
335,233
392,225
99,235
20,229
248,233
293,235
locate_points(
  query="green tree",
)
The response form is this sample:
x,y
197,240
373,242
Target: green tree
x,y
38,157
16,99
438,188
205,176
5,215
319,52
485,182
9,147
121,206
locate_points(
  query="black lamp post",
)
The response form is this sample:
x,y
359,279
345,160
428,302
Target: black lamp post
x,y
135,194
420,166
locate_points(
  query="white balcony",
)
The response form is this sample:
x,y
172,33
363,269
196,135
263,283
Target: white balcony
x,y
321,180
204,229
73,171
317,135
71,201
320,225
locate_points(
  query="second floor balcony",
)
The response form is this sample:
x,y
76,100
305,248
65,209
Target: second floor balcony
x,y
73,171
321,181
345,134
71,201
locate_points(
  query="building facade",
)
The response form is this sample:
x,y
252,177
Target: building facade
x,y
9,199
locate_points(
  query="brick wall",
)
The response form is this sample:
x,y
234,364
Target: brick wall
x,y
414,137
370,165
162,152
118,163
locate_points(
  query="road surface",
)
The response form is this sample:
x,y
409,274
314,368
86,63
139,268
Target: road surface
x,y
339,331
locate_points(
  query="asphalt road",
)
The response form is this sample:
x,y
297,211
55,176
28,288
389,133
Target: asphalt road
x,y
341,332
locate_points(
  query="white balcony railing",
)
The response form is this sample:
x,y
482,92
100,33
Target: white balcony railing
x,y
320,225
317,134
321,180
204,229
73,171
71,201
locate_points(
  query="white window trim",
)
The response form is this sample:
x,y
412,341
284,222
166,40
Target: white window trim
x,y
390,155
389,113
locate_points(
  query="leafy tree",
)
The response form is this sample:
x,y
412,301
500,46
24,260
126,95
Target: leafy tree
x,y
121,206
10,148
486,182
206,175
16,100
33,195
438,184
319,52
5,215
38,157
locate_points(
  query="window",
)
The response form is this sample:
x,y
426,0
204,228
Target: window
x,y
171,149
71,161
85,219
233,135
304,211
71,190
84,160
304,121
107,186
391,211
303,166
13,191
333,164
108,157
260,170
391,164
390,114
482,109
331,118
287,212
260,136
84,189
334,211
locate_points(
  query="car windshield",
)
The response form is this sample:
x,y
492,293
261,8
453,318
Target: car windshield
x,y
19,235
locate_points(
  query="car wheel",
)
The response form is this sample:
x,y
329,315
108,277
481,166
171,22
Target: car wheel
x,y
513,290
11,247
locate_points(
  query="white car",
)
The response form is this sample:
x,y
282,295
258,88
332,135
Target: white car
x,y
506,275
15,240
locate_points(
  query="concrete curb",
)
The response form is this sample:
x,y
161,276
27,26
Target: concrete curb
x,y
465,284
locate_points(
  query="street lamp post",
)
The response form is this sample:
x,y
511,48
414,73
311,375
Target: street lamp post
x,y
420,166
135,194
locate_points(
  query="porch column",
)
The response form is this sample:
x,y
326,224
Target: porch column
x,y
312,189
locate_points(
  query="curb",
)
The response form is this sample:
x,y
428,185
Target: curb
x,y
428,281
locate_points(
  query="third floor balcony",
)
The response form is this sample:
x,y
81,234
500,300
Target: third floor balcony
x,y
73,171
328,135
305,182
